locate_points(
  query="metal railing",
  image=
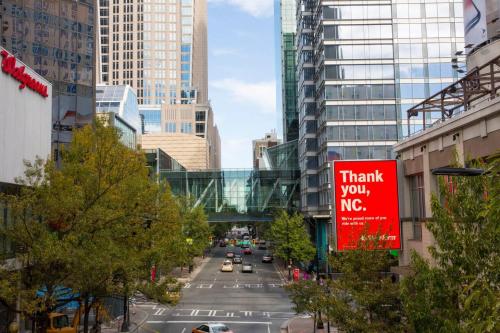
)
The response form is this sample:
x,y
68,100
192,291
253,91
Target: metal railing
x,y
478,83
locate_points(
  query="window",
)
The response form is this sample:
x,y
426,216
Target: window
x,y
417,204
200,115
186,128
170,128
200,128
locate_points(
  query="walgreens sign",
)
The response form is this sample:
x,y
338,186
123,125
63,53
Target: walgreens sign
x,y
366,204
9,67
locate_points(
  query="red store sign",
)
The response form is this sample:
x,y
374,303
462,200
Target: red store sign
x,y
366,203
26,80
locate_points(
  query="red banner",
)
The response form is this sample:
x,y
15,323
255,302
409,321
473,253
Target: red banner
x,y
366,204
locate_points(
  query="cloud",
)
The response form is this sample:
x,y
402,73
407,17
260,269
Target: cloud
x,y
260,94
224,51
256,8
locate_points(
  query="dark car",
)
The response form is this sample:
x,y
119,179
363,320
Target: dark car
x,y
247,251
222,244
262,246
267,258
229,254
237,259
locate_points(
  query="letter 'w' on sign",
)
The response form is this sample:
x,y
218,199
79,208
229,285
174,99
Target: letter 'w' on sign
x,y
366,201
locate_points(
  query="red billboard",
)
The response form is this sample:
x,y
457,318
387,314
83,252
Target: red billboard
x,y
366,203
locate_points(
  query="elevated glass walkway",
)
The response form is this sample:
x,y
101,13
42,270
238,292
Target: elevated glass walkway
x,y
243,195
237,195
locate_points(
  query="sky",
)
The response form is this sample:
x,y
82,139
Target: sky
x,y
241,75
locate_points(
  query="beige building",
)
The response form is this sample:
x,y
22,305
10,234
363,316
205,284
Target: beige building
x,y
468,131
260,145
160,49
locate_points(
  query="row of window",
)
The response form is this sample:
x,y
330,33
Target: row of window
x,y
359,72
359,133
185,128
365,31
356,12
377,51
359,112
431,70
357,92
360,152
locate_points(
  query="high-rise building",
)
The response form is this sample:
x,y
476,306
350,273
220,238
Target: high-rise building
x,y
259,146
360,66
286,26
160,49
56,39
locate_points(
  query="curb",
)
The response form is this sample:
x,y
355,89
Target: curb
x,y
196,271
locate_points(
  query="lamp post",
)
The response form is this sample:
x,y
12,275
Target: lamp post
x,y
289,261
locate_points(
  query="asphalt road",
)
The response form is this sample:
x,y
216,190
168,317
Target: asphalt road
x,y
246,302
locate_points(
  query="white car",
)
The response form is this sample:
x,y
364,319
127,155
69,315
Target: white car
x,y
212,328
227,266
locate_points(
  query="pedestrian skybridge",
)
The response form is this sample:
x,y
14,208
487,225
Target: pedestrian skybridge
x,y
242,195
237,195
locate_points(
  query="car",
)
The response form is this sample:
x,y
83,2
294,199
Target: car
x,y
246,237
229,254
245,246
262,246
267,258
237,259
212,328
222,244
246,268
247,251
227,266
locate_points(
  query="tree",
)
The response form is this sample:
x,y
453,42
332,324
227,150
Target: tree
x,y
308,297
195,228
460,290
290,238
91,225
365,298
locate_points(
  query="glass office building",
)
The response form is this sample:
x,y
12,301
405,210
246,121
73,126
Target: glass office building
x,y
56,39
286,26
360,66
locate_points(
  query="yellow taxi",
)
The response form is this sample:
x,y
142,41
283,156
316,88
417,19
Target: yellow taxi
x,y
227,266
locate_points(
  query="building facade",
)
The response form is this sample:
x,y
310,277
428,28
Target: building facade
x,y
25,135
160,49
360,66
467,131
118,106
56,39
259,147
286,27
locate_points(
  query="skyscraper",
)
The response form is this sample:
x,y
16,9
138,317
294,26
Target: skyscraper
x,y
360,67
56,39
160,49
286,26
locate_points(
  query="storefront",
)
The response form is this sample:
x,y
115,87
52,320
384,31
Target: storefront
x,y
25,134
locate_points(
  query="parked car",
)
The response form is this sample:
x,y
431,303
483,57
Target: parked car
x,y
267,258
212,328
237,259
229,254
247,251
227,266
246,268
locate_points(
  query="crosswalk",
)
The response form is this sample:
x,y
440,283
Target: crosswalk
x,y
233,285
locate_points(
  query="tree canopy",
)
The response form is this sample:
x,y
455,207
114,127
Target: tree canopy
x,y
96,224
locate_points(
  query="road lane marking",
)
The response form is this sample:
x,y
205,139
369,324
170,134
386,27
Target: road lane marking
x,y
204,321
184,330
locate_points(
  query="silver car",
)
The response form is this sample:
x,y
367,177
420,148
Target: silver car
x,y
246,268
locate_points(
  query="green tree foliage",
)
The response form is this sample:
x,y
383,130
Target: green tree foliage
x,y
460,290
195,228
308,297
364,298
95,225
290,238
219,230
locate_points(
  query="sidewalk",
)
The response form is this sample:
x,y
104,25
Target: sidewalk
x,y
137,318
303,324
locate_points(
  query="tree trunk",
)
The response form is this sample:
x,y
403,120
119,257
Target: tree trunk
x,y
86,311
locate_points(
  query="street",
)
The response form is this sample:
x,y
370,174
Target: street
x,y
246,302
